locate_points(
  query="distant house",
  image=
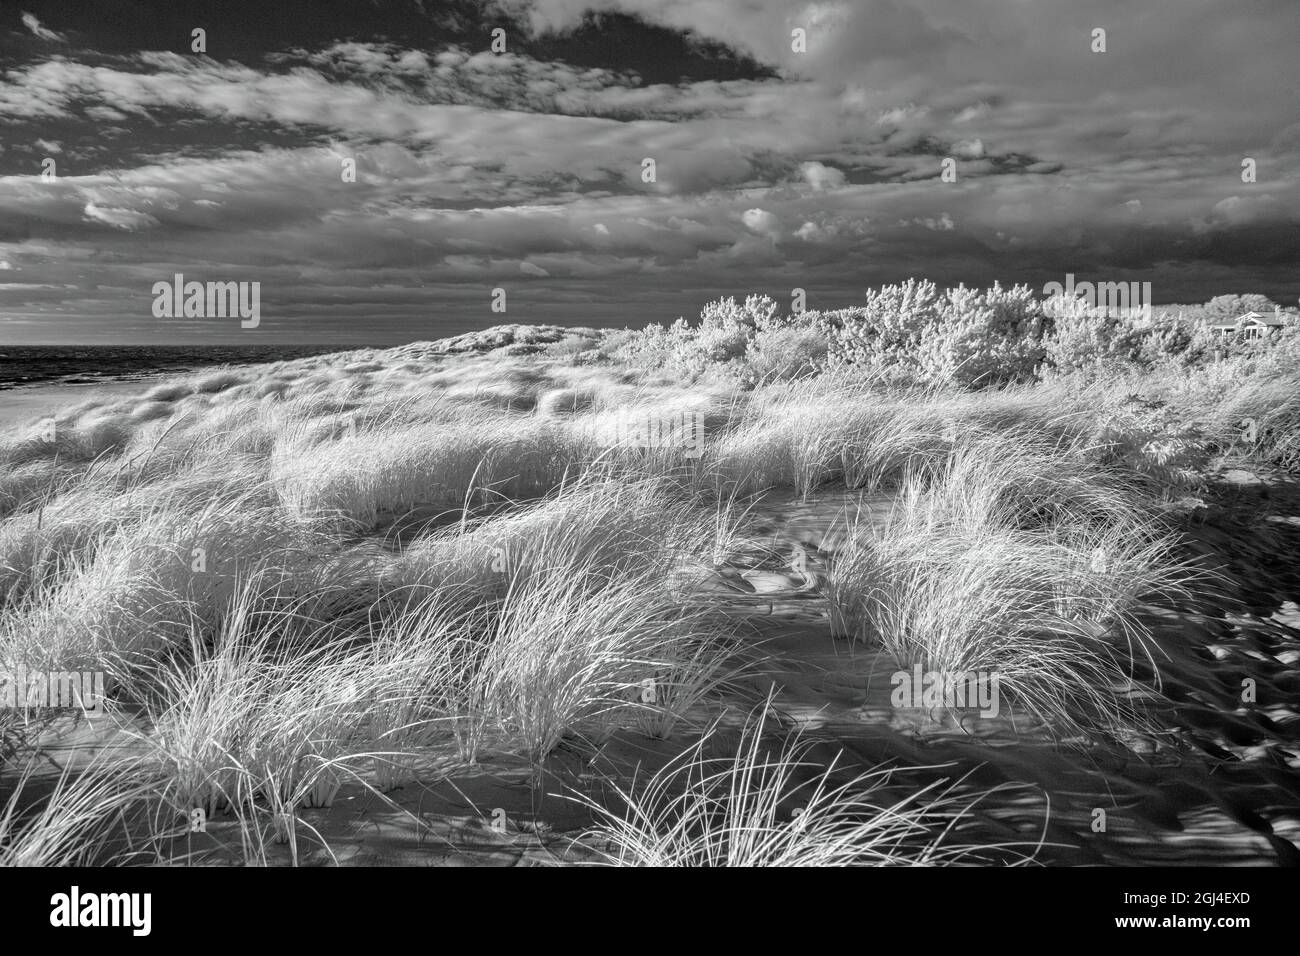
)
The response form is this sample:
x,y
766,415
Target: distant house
x,y
1252,325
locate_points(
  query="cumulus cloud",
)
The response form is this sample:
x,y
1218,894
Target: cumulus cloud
x,y
761,222
811,232
820,176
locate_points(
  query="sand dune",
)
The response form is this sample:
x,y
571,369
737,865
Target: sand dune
x,y
439,605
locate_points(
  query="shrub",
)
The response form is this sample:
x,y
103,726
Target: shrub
x,y
958,336
1225,308
726,330
757,313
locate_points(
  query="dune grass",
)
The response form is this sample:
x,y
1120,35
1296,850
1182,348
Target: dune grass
x,y
769,804
1015,558
371,568
90,816
267,704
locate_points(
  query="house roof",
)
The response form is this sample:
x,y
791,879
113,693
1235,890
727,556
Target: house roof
x,y
1269,319
1262,318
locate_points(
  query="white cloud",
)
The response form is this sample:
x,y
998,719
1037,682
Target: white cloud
x,y
478,165
119,218
105,114
820,177
31,23
761,221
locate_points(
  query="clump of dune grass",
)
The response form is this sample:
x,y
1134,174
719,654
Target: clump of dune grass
x,y
390,471
1019,561
89,817
808,434
596,526
576,603
413,668
84,438
1261,420
564,659
81,586
263,724
23,485
770,804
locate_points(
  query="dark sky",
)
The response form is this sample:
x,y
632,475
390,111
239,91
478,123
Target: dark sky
x,y
523,170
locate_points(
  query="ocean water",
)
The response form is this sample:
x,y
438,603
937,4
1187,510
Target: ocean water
x,y
91,364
